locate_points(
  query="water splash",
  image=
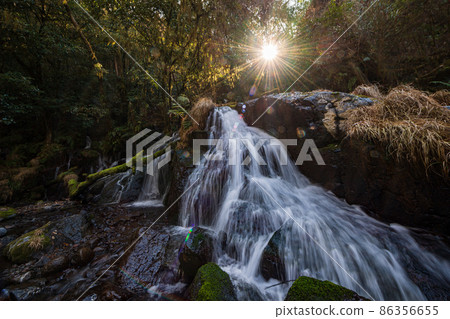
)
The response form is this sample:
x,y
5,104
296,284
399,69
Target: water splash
x,y
368,256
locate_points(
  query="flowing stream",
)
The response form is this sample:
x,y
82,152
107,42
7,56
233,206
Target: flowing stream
x,y
321,236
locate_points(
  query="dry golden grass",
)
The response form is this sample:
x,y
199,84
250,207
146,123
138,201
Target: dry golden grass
x,y
368,90
37,240
200,113
442,97
413,126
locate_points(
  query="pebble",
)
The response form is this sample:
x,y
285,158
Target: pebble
x,y
3,231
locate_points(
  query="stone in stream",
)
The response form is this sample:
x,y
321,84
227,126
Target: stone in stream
x,y
82,256
271,265
3,231
57,264
211,284
196,252
310,289
153,260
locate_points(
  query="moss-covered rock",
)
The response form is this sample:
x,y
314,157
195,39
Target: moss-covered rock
x,y
196,252
22,249
310,289
7,212
76,188
211,284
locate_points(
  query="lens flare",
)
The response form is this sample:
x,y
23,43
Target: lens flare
x,y
269,52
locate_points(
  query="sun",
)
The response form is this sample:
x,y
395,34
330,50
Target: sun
x,y
269,52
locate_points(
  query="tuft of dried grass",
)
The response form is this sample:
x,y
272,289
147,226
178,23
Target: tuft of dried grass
x,y
37,240
200,113
442,97
368,90
412,125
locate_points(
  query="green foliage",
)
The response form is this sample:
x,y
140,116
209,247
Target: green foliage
x,y
400,41
17,94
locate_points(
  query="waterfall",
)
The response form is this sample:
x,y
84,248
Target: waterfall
x,y
154,187
326,238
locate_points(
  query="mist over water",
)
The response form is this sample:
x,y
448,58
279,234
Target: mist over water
x,y
326,238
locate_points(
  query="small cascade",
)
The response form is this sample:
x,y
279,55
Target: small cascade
x,y
155,187
88,143
69,161
319,235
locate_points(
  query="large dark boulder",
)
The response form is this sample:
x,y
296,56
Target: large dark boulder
x,y
271,265
153,260
211,284
317,115
195,252
310,289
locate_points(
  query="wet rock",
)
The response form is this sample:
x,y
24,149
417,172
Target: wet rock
x,y
72,228
123,186
98,250
25,277
196,252
83,256
4,295
153,260
58,264
222,237
211,283
3,231
7,212
4,241
133,188
271,265
310,289
19,274
25,293
316,115
247,292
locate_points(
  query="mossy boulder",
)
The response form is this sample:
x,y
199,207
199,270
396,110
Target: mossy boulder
x,y
23,248
211,284
7,212
310,289
196,252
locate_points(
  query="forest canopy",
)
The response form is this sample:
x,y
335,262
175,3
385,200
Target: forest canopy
x,y
71,69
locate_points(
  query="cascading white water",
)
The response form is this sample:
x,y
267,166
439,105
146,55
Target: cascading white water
x,y
151,193
326,239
